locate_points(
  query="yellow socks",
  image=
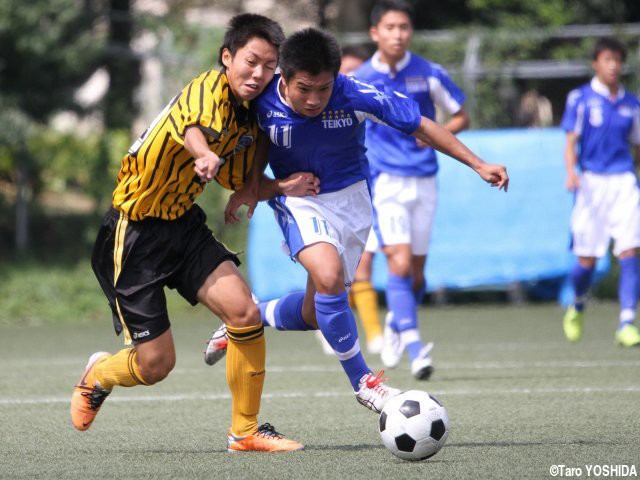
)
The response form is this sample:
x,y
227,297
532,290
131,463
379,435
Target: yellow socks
x,y
366,301
120,369
245,376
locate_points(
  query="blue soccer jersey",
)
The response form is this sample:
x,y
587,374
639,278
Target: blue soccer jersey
x,y
605,127
330,145
429,85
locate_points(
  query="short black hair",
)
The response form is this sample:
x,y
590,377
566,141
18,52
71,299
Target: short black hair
x,y
310,50
609,43
246,26
384,6
363,51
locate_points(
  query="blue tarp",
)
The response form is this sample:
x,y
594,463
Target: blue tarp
x,y
481,236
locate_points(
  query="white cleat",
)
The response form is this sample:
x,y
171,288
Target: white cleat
x,y
373,393
326,347
422,367
216,346
392,347
375,345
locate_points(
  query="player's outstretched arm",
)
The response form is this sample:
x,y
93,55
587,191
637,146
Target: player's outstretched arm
x,y
248,194
299,184
445,142
206,163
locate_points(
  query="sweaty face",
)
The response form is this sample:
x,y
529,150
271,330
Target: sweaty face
x,y
251,68
608,67
392,35
307,94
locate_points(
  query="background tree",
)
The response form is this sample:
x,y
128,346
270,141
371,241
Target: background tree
x,y
48,48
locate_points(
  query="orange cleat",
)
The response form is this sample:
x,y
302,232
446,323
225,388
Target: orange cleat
x,y
266,439
87,395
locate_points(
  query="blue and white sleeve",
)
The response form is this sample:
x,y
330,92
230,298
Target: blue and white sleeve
x,y
392,109
573,113
444,92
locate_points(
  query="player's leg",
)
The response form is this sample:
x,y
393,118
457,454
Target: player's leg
x,y
227,295
337,323
627,333
581,277
365,298
422,364
626,232
139,312
401,299
590,239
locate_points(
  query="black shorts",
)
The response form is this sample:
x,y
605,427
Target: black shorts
x,y
143,257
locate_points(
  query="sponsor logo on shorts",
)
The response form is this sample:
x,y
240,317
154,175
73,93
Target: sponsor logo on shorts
x,y
137,335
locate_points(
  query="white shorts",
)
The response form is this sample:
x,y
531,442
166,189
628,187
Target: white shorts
x,y
341,218
405,208
372,244
607,206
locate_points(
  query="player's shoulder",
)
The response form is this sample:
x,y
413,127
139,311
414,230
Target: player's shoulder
x,y
632,98
425,66
365,71
578,94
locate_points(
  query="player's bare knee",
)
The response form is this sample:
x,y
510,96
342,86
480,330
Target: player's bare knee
x,y
246,317
156,369
329,282
400,266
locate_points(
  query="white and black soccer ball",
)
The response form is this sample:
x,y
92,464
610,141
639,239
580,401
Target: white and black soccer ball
x,y
414,425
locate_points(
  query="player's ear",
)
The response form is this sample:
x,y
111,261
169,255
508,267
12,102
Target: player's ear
x,y
226,57
373,33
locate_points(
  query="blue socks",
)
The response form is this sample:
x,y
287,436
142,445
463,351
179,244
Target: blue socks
x,y
581,281
401,301
628,289
284,313
338,326
335,320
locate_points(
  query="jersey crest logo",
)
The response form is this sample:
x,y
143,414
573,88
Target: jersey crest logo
x,y
625,111
336,119
417,84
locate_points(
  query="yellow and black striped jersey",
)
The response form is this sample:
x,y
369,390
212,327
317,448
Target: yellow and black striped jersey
x,y
157,179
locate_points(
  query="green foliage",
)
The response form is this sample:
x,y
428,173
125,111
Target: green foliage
x,y
82,162
47,49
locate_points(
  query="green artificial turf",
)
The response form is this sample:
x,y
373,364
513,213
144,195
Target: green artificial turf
x,y
520,399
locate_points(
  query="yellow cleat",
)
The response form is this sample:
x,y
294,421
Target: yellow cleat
x,y
87,395
572,324
266,439
628,336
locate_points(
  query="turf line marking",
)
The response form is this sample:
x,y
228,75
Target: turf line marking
x,y
225,396
457,366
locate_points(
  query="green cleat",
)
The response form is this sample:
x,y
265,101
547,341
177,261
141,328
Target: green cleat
x,y
628,336
572,324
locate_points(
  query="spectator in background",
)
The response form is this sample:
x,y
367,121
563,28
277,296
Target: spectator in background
x,y
602,121
534,110
403,170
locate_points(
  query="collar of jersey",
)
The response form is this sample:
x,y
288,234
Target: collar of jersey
x,y
601,89
381,67
284,102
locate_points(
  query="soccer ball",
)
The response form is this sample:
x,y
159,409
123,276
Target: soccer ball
x,y
414,425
